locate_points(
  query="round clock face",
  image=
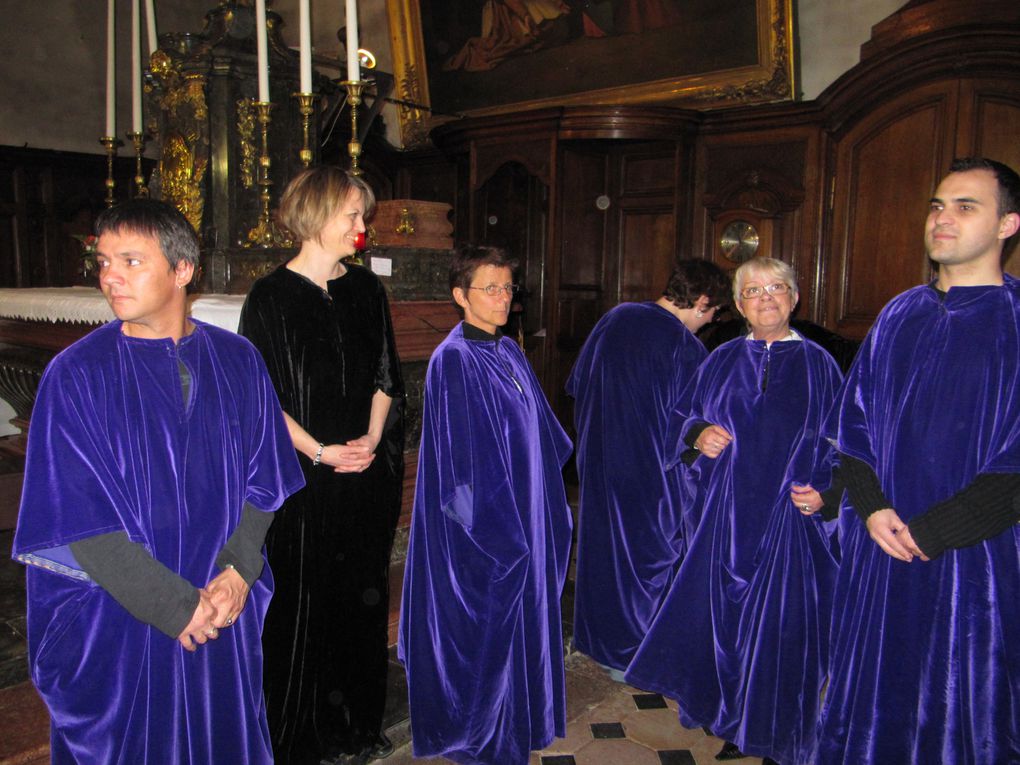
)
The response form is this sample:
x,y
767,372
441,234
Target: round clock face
x,y
739,241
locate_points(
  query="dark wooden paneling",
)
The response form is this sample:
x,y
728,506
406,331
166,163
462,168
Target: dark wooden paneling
x,y
887,166
989,126
648,251
47,197
584,177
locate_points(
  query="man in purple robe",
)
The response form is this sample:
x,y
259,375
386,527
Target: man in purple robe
x,y
480,632
626,382
156,454
925,661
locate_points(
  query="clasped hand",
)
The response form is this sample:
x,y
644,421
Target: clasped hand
x,y
712,441
893,535
219,605
353,457
806,498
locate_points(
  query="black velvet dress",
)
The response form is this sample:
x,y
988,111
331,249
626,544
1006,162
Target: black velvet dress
x,y
325,637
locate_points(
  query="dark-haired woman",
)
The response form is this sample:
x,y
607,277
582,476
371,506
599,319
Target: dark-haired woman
x,y
324,330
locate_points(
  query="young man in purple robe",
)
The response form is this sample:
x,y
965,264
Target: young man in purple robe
x,y
627,380
157,452
925,661
480,632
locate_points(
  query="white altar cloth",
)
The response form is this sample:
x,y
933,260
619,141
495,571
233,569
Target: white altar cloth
x,y
87,304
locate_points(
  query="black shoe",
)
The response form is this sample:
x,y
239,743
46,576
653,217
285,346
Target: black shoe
x,y
381,749
360,758
729,751
768,761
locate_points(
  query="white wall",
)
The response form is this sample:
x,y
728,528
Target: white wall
x,y
53,88
831,34
53,83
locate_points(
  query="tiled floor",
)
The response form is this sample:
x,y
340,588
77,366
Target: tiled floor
x,y
609,723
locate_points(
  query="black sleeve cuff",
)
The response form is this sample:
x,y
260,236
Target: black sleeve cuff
x,y
989,505
862,486
694,432
243,550
830,504
147,589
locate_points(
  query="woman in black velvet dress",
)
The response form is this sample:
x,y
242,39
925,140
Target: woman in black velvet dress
x,y
324,330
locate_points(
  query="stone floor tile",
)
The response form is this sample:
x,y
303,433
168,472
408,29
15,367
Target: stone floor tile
x,y
649,700
618,751
675,757
612,708
578,734
660,729
603,730
26,727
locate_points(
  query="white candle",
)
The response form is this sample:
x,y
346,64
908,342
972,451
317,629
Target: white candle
x,y
111,70
263,46
150,22
306,48
353,65
136,67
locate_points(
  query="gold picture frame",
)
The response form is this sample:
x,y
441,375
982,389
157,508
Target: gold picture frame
x,y
770,78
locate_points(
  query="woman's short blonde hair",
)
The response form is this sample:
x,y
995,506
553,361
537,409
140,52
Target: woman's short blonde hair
x,y
767,267
314,197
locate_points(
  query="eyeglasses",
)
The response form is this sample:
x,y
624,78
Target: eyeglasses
x,y
494,290
755,292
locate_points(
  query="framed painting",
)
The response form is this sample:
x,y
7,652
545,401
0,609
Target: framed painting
x,y
478,57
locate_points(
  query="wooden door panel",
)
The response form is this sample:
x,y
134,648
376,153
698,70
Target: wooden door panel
x,y
887,167
647,252
577,313
990,127
584,177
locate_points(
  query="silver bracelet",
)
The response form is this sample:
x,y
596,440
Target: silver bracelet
x,y
318,455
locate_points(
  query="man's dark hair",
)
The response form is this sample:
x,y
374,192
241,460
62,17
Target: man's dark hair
x,y
693,278
1008,192
157,220
469,258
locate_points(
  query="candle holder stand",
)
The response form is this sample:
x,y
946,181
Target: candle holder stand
x,y
306,106
111,143
354,90
138,140
265,233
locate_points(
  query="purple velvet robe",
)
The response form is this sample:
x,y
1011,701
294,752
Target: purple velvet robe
x,y
627,380
740,641
114,447
926,655
480,632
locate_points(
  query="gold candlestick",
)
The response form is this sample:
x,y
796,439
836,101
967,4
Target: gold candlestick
x,y
306,105
111,143
354,89
265,233
138,139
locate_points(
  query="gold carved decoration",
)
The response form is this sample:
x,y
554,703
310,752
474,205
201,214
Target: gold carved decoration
x,y
406,225
246,132
185,153
257,269
779,85
409,70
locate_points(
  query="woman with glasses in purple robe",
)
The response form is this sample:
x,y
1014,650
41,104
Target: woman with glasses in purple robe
x,y
480,632
741,639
